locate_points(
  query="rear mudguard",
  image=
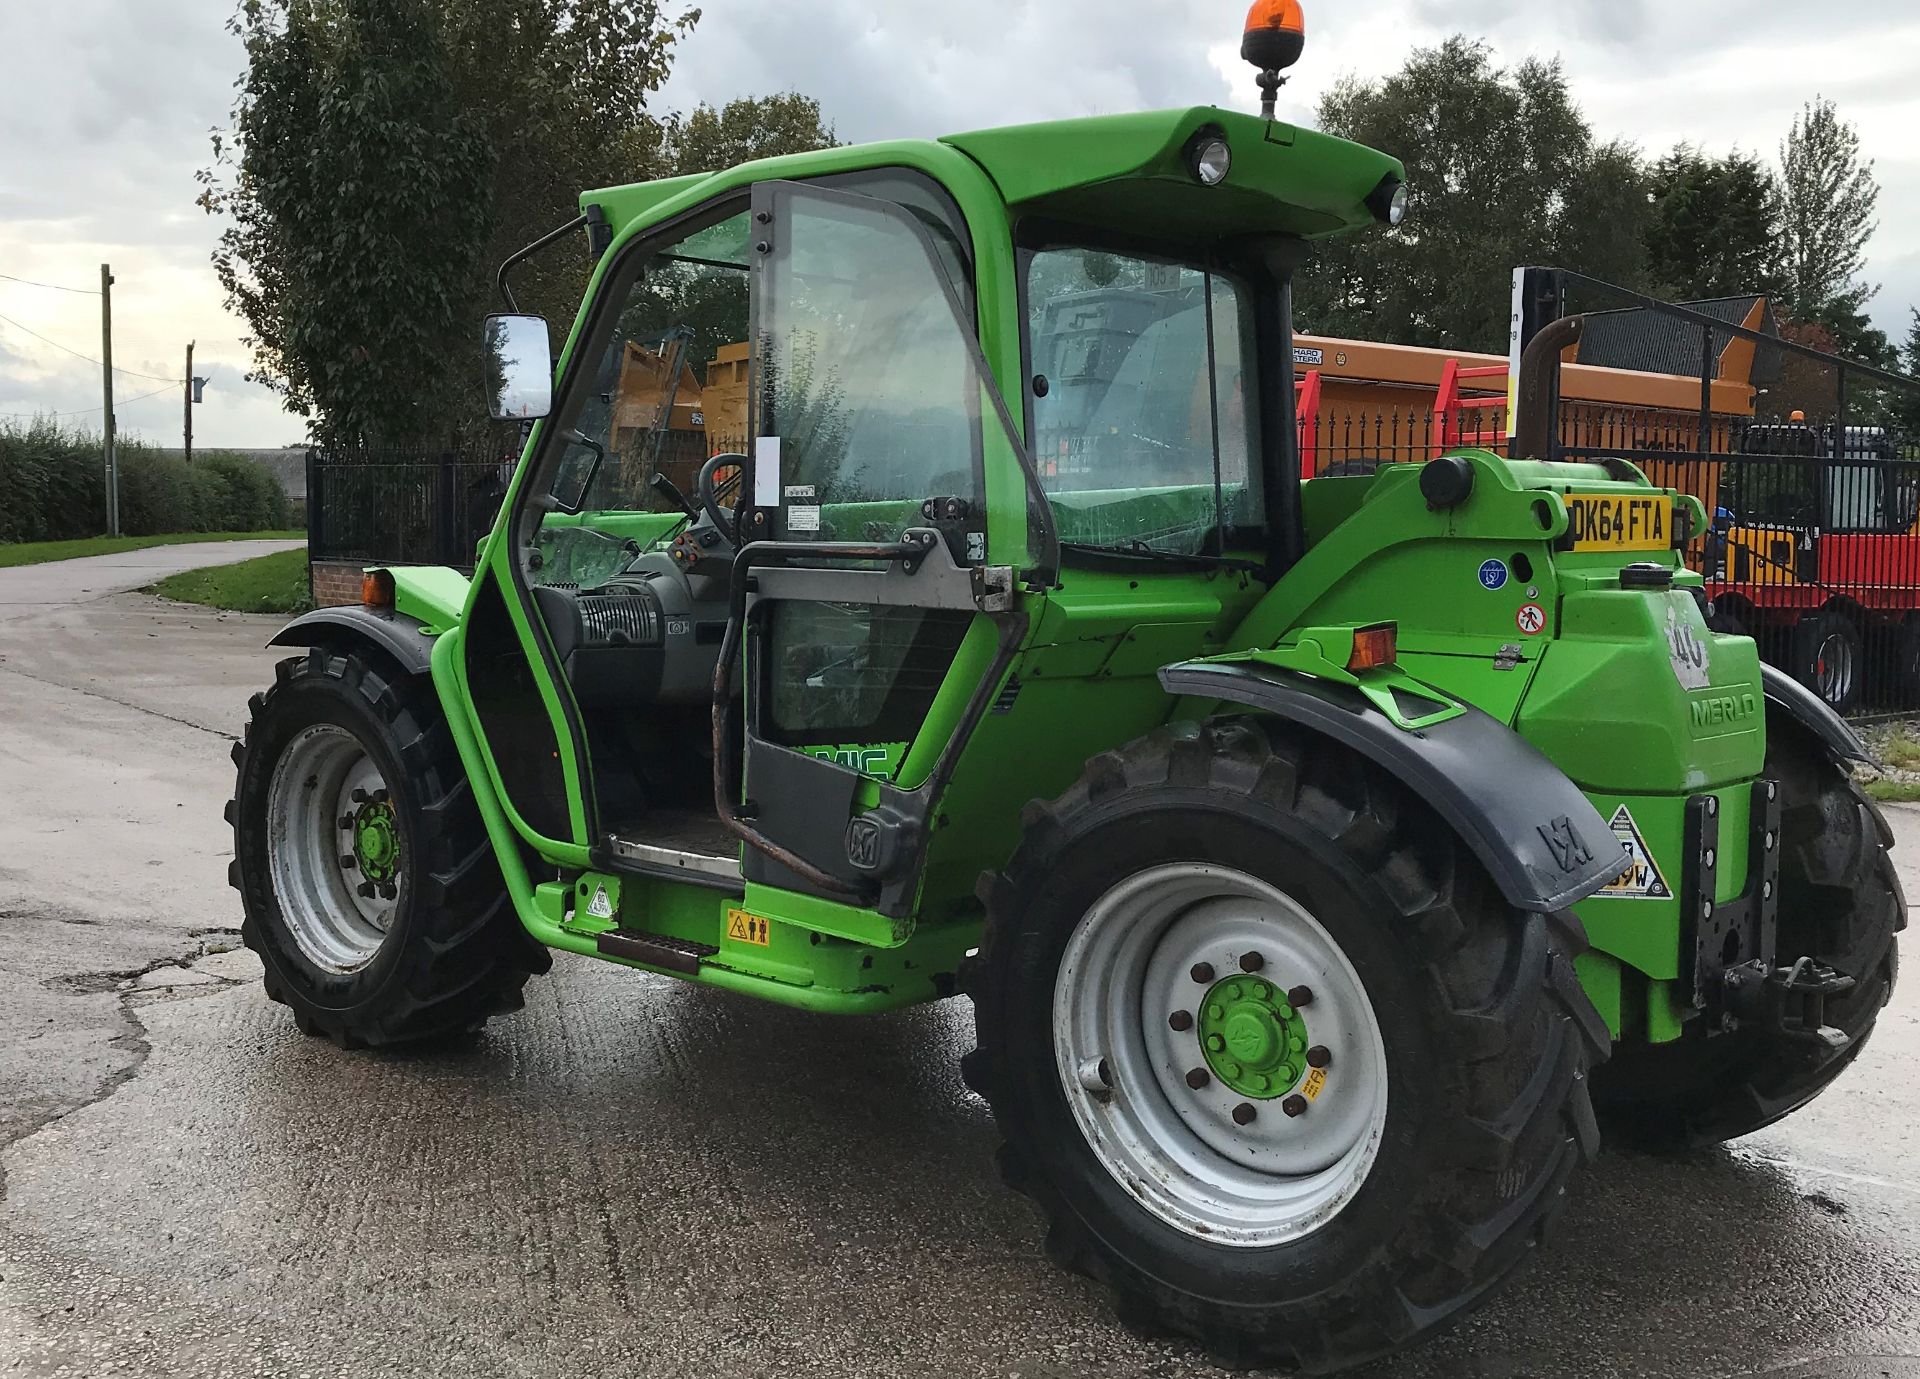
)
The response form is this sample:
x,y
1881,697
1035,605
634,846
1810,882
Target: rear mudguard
x,y
1810,711
399,635
1535,832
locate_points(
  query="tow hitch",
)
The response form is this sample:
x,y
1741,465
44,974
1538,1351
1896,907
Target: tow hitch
x,y
1734,977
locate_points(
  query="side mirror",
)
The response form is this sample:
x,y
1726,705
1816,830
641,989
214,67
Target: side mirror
x,y
519,364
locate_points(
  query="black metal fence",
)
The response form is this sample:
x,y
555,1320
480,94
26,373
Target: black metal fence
x,y
403,507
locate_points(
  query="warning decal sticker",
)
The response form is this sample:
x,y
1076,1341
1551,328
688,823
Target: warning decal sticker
x,y
1642,879
601,906
745,928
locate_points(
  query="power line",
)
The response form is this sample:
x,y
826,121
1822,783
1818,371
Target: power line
x,y
83,291
81,411
130,373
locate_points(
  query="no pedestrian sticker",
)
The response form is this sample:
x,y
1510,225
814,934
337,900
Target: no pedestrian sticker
x,y
1531,619
601,906
1642,879
1493,574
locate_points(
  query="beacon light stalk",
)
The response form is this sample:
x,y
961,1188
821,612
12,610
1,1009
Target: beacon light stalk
x,y
1275,34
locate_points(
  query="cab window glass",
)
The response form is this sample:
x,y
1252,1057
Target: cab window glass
x,y
867,386
1145,427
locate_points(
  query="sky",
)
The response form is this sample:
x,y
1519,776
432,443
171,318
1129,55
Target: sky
x,y
106,108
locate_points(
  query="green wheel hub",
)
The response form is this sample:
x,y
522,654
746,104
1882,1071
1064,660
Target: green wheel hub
x,y
376,841
1252,1039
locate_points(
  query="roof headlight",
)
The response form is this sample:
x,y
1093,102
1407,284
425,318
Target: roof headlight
x,y
1209,159
1388,201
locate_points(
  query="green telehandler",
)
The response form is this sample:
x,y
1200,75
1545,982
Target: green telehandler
x,y
1327,860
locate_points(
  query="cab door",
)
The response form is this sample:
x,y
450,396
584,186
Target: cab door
x,y
874,631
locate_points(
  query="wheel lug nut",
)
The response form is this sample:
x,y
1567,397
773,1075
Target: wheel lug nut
x,y
346,821
1318,1056
1216,1042
1300,996
365,889
1251,962
1295,1105
349,862
1181,1020
1202,972
1198,1078
389,891
1244,1113
358,796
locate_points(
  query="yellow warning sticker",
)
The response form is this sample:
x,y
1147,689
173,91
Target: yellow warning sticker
x,y
1315,1084
745,928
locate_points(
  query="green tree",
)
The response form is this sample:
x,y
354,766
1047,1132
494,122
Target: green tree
x,y
386,155
1714,227
1503,171
707,140
347,148
1828,196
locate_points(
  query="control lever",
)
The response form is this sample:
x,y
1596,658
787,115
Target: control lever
x,y
669,490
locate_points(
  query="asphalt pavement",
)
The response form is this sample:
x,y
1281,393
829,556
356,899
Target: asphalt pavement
x,y
637,1177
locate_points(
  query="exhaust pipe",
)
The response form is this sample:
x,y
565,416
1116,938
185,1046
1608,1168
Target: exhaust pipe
x,y
1539,376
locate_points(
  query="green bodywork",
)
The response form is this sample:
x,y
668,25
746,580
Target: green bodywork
x,y
1594,688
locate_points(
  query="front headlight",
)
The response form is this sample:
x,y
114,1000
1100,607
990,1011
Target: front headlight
x,y
1388,201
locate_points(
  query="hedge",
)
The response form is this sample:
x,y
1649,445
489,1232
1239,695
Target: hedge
x,y
53,488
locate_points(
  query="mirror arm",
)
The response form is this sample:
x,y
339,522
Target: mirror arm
x,y
513,259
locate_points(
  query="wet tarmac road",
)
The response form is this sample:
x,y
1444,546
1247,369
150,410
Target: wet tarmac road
x,y
638,1177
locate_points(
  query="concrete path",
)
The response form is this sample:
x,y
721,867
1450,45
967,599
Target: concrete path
x,y
641,1178
26,589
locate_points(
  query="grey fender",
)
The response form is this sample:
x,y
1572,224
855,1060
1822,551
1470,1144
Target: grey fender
x,y
1536,833
1811,712
397,634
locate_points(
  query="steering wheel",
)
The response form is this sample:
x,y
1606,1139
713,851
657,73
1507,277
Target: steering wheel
x,y
713,494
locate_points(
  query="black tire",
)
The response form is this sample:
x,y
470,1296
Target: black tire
x,y
1840,902
1827,656
1728,618
455,952
1487,1031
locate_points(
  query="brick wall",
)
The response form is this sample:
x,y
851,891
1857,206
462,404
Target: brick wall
x,y
336,582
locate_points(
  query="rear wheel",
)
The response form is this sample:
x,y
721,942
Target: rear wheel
x,y
1269,1052
1826,651
1840,903
369,886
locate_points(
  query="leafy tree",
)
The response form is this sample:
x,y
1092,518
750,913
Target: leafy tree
x,y
1503,171
707,140
1907,404
1714,227
1828,196
386,155
348,148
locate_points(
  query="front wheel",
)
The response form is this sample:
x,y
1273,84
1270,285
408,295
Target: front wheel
x,y
1270,1053
369,887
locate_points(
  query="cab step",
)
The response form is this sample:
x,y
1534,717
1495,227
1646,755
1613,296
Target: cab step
x,y
655,950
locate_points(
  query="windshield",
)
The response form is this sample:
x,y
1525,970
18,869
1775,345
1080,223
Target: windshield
x,y
1143,434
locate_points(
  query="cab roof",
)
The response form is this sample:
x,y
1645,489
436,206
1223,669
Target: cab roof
x,y
1124,172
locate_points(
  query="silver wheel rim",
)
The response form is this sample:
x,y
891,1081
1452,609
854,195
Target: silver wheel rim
x,y
325,796
1178,1150
1833,667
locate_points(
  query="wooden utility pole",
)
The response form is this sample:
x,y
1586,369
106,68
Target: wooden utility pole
x,y
187,435
106,390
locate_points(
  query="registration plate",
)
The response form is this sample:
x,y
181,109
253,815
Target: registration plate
x,y
1620,521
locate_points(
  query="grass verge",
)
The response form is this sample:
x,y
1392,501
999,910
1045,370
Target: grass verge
x,y
38,552
1893,791
274,583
